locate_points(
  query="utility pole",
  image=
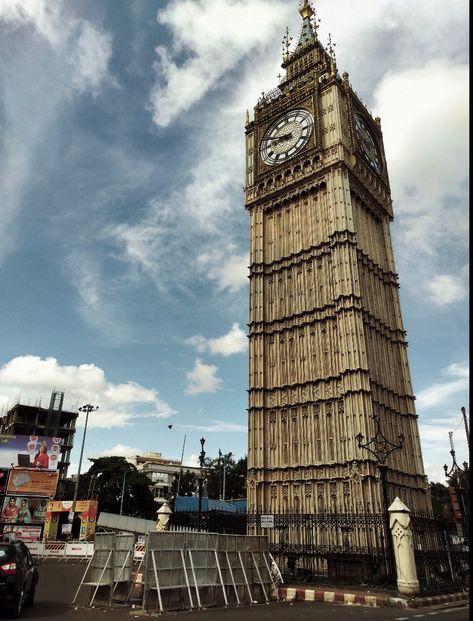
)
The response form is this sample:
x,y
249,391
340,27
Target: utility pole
x,y
180,467
225,462
123,492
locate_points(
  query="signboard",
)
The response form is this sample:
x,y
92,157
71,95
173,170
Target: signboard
x,y
30,452
26,482
23,510
267,521
66,505
23,533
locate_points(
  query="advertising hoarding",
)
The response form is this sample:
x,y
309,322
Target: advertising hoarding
x,y
23,510
29,451
66,505
23,533
26,482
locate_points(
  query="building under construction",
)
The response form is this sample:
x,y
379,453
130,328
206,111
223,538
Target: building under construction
x,y
36,420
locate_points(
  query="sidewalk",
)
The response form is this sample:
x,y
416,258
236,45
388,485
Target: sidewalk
x,y
365,597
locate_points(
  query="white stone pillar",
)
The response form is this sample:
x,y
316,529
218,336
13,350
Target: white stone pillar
x,y
401,531
164,513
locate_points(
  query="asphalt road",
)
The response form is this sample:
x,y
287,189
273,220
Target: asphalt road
x,y
59,582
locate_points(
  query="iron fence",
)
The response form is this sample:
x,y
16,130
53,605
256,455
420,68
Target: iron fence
x,y
441,554
346,547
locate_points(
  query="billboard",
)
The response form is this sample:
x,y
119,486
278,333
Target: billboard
x,y
23,510
26,482
29,452
23,533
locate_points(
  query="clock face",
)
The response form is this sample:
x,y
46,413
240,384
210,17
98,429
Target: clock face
x,y
286,137
367,143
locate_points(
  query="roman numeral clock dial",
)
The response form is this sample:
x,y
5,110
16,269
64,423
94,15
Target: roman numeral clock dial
x,y
286,137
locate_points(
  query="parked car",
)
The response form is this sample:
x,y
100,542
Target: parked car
x,y
19,576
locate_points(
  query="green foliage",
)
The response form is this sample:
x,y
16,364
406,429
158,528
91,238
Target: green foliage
x,y
235,477
441,505
187,487
104,481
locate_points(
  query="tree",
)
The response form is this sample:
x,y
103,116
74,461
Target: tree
x,y
187,487
235,477
441,505
106,477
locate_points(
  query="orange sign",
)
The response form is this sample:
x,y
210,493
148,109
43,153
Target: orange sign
x,y
28,482
66,505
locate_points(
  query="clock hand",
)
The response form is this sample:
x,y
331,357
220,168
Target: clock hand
x,y
279,139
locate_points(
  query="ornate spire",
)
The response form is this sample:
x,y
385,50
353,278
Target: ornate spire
x,y
286,42
331,53
309,26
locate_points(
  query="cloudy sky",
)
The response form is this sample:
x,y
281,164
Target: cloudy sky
x,y
123,237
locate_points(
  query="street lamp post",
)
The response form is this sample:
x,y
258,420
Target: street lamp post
x,y
456,473
200,480
87,409
381,448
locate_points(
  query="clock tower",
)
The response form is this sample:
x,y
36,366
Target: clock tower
x,y
327,346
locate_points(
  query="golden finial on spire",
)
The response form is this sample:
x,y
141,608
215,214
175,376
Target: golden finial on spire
x,y
306,10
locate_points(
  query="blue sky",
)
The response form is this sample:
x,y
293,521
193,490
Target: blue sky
x,y
123,237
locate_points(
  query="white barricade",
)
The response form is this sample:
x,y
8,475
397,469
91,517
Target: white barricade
x,y
36,548
78,548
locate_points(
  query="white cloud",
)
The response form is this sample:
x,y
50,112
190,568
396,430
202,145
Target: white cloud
x,y
202,379
122,404
424,112
440,392
445,289
90,58
222,33
234,342
227,268
38,82
218,426
119,450
43,15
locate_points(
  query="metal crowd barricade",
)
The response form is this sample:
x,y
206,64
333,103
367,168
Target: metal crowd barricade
x,y
109,567
195,570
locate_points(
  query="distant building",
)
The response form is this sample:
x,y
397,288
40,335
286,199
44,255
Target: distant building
x,y
36,420
161,471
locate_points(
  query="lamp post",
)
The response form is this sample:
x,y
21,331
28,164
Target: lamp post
x,y
456,473
87,409
200,480
381,448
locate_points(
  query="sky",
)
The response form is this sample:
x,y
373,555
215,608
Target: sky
x,y
123,233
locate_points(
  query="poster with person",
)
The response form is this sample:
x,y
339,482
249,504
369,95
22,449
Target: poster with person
x,y
23,510
32,451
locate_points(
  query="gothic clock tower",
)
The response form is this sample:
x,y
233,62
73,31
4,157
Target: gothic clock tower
x,y
327,344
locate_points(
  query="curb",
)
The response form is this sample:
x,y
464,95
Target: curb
x,y
291,594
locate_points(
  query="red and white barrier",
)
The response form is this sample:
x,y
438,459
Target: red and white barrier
x,y
61,549
54,548
139,551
